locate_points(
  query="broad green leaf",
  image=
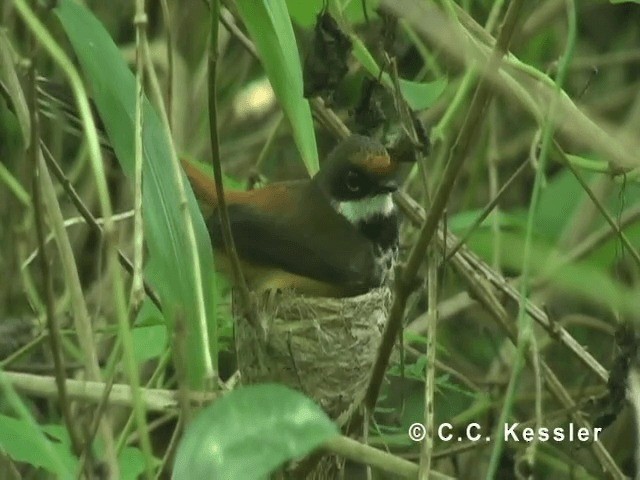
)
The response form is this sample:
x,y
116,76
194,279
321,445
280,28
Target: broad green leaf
x,y
113,88
417,95
421,95
460,222
23,442
270,28
149,338
249,432
304,13
131,463
582,278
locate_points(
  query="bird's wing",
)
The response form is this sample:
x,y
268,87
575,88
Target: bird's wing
x,y
318,245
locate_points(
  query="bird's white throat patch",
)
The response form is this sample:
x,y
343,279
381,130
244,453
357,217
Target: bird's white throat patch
x,y
357,211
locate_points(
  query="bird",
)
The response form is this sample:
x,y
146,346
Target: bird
x,y
332,235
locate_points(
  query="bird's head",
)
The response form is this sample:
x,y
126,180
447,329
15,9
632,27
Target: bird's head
x,y
359,177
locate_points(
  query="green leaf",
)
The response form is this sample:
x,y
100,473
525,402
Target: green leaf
x,y
18,440
131,463
417,95
249,432
304,13
113,88
270,28
420,96
12,91
149,338
581,278
624,1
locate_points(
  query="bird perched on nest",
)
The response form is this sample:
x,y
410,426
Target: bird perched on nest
x,y
332,235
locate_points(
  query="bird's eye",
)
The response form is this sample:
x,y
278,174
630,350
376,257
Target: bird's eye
x,y
353,181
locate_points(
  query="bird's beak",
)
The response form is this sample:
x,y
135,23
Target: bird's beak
x,y
388,187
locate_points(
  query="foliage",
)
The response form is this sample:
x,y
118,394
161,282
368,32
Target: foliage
x,y
582,276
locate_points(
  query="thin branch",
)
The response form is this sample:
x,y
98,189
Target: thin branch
x,y
406,278
55,337
481,280
356,451
486,210
92,221
227,234
155,400
79,307
607,216
429,382
480,269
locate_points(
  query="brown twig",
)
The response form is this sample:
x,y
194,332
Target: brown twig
x,y
486,211
481,280
430,379
406,278
55,336
227,235
607,216
155,400
89,218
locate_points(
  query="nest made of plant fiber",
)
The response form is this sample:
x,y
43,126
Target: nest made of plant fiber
x,y
323,347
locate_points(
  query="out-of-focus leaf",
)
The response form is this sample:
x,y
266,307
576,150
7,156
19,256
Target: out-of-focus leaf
x,y
18,440
270,28
421,95
417,95
131,463
10,88
249,432
581,278
113,88
149,338
461,221
304,13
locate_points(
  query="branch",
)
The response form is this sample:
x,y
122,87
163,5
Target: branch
x,y
466,137
227,235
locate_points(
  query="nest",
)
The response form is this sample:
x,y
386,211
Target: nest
x,y
323,347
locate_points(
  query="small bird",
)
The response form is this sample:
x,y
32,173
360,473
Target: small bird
x,y
333,235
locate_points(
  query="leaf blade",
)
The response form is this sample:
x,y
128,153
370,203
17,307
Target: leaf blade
x,y
113,88
259,426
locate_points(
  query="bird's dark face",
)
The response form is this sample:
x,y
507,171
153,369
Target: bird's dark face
x,y
359,178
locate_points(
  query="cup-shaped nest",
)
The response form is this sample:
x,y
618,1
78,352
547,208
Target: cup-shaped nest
x,y
323,347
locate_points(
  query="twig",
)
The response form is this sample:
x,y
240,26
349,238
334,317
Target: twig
x,y
135,299
358,452
429,382
155,400
407,276
525,324
479,278
598,237
139,410
607,216
486,210
79,307
92,221
55,337
518,81
479,268
227,234
166,15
